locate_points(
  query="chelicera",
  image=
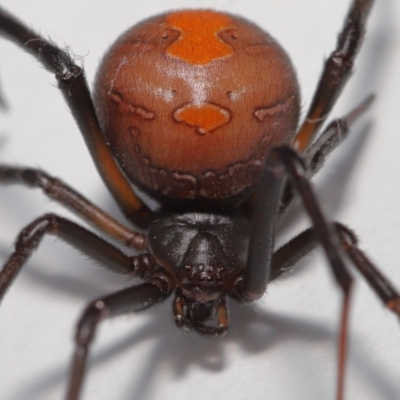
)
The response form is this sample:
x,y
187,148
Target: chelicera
x,y
199,109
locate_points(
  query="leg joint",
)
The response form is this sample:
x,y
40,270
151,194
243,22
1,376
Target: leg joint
x,y
93,314
347,236
31,235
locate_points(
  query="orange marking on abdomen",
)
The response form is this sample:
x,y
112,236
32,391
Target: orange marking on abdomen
x,y
205,117
198,42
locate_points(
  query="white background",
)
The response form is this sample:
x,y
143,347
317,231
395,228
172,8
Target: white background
x,y
283,347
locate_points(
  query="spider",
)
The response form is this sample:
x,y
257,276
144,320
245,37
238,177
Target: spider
x,y
188,208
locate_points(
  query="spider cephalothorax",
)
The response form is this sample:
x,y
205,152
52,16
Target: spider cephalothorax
x,y
203,252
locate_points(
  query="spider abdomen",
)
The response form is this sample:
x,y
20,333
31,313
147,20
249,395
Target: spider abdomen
x,y
191,101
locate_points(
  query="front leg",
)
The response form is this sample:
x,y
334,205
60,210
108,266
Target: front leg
x,y
281,162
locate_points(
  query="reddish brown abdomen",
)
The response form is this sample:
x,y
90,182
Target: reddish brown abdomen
x,y
191,101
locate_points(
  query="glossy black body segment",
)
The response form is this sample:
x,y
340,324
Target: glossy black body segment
x,y
203,251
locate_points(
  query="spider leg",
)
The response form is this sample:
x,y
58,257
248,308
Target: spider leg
x,y
284,161
286,257
132,299
73,85
325,234
63,194
78,237
378,282
337,70
333,135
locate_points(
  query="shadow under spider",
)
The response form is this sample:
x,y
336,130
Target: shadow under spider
x,y
252,329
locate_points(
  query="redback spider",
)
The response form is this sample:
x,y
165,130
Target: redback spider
x,y
71,181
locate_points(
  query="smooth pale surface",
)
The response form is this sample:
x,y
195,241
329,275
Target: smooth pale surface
x,y
281,348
